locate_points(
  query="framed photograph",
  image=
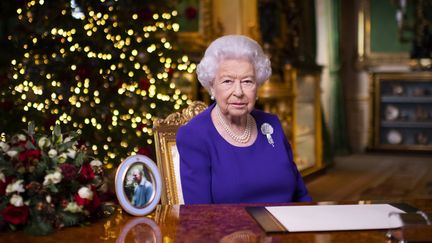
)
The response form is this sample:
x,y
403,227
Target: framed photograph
x,y
196,20
140,230
379,39
138,185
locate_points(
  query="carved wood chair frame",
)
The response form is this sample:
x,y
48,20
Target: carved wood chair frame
x,y
166,152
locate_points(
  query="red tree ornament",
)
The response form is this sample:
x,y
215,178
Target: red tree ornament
x,y
191,12
144,84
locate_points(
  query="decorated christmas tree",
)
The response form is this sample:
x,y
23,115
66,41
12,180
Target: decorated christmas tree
x,y
104,68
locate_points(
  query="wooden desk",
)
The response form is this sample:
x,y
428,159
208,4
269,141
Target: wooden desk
x,y
196,223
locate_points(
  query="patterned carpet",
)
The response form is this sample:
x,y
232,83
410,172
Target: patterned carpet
x,y
374,177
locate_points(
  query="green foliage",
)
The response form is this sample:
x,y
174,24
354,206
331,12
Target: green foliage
x,y
38,227
79,159
70,219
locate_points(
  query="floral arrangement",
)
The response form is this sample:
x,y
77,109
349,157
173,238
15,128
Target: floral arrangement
x,y
48,182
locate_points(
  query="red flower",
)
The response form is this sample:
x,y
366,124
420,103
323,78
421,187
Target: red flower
x,y
28,158
86,173
90,205
15,215
69,171
29,155
81,201
95,203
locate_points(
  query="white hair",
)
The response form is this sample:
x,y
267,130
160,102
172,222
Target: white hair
x,y
233,47
137,171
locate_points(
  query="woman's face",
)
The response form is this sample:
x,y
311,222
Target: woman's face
x,y
235,87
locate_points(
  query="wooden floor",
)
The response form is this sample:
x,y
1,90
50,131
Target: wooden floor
x,y
374,177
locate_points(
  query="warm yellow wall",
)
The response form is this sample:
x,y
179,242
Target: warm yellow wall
x,y
237,16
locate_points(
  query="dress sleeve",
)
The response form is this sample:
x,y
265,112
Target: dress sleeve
x,y
300,192
195,166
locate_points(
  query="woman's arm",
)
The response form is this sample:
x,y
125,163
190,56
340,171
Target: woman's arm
x,y
301,193
195,166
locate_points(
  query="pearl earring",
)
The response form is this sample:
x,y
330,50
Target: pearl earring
x,y
212,97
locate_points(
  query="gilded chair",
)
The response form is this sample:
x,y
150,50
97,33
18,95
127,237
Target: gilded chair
x,y
167,156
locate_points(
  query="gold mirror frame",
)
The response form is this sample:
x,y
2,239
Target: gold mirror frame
x,y
366,57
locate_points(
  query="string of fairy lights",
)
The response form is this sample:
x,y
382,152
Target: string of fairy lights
x,y
82,93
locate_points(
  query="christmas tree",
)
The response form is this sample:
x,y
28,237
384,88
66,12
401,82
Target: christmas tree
x,y
102,68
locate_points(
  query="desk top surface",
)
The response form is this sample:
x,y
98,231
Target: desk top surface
x,y
197,223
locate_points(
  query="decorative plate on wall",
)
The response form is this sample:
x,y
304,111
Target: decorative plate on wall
x,y
391,113
394,137
397,89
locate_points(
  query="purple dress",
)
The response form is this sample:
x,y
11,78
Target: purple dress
x,y
214,171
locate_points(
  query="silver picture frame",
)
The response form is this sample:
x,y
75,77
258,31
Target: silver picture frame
x,y
138,185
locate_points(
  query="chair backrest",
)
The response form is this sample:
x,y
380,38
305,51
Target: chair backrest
x,y
168,159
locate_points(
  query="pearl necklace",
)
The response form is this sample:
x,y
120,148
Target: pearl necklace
x,y
243,138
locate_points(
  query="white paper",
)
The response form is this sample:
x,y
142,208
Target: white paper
x,y
335,217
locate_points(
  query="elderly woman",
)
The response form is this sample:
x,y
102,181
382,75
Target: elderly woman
x,y
232,152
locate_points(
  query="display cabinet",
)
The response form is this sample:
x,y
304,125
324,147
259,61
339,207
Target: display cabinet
x,y
295,98
402,111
